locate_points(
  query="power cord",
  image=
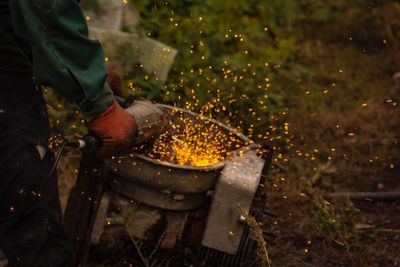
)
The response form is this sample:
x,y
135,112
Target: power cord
x,y
58,156
88,144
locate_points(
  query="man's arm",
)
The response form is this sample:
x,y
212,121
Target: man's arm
x,y
63,55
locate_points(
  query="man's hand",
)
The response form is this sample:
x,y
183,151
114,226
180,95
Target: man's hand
x,y
118,128
115,127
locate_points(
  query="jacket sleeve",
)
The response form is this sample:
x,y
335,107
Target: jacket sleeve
x,y
63,55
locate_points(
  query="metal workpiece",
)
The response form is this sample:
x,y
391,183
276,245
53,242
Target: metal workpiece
x,y
161,175
165,200
232,199
166,176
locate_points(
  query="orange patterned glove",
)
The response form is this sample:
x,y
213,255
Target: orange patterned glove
x,y
116,129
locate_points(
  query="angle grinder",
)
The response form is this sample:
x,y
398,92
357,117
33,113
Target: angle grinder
x,y
149,118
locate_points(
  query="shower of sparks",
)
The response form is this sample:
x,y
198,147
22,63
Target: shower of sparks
x,y
236,95
55,142
193,141
203,88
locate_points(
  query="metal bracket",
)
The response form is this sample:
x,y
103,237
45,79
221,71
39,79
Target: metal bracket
x,y
234,193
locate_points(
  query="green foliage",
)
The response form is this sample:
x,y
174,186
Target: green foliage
x,y
334,220
243,61
227,56
242,58
238,59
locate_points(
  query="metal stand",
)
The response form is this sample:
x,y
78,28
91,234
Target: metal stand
x,y
83,204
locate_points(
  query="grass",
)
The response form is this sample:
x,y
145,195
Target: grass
x,y
256,233
354,128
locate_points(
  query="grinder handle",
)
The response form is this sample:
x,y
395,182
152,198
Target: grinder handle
x,y
89,144
92,143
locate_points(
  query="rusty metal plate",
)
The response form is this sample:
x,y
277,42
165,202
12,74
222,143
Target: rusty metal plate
x,y
233,194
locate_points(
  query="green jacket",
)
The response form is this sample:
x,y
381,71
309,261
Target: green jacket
x,y
63,55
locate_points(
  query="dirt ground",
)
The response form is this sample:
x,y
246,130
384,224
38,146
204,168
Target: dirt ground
x,y
349,142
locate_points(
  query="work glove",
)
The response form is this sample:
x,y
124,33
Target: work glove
x,y
115,128
119,129
149,118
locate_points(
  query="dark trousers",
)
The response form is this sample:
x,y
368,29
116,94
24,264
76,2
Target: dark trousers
x,y
31,233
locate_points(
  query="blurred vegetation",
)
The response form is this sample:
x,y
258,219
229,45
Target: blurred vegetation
x,y
249,60
245,61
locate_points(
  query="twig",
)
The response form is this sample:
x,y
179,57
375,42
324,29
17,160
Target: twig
x,y
159,241
270,213
365,195
280,166
385,230
138,249
298,259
